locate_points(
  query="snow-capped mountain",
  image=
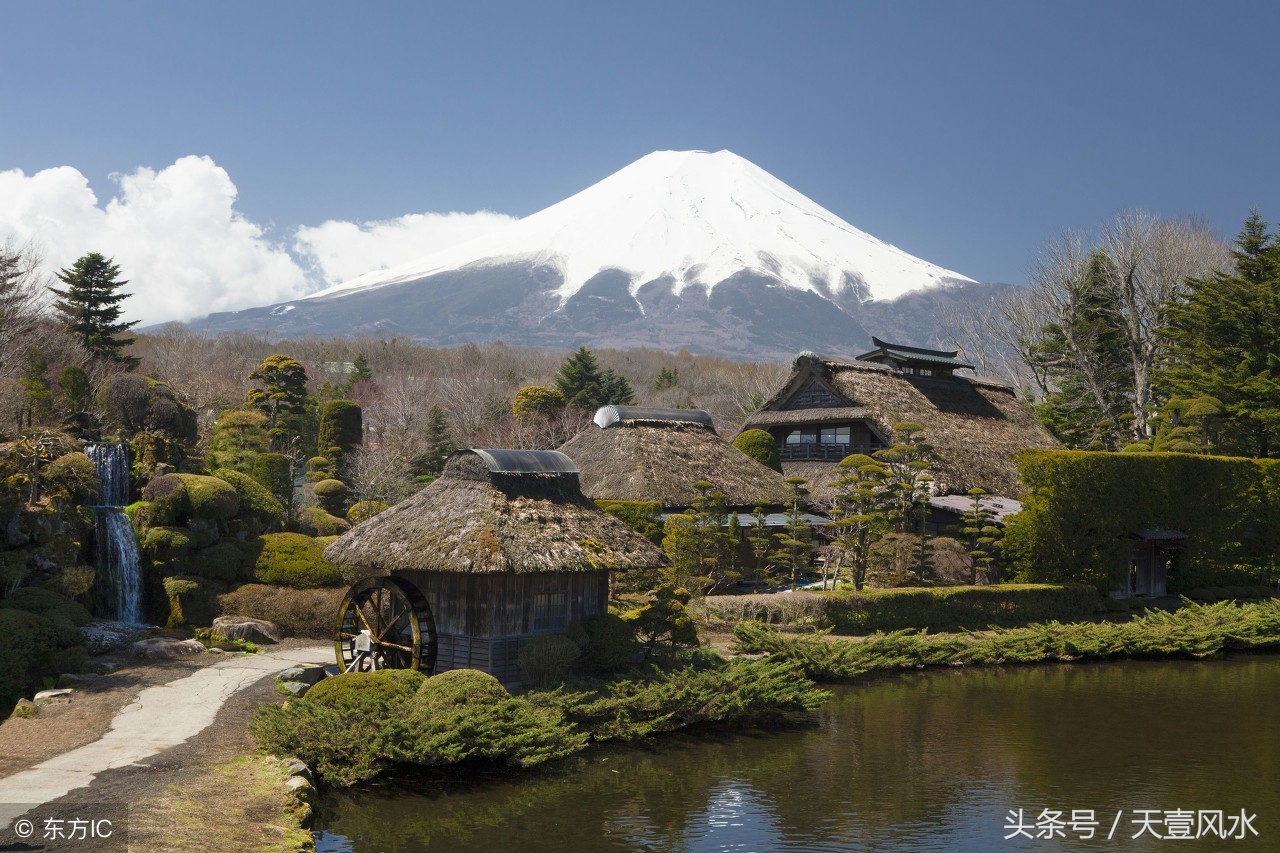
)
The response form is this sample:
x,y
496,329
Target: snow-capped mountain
x,y
691,249
693,217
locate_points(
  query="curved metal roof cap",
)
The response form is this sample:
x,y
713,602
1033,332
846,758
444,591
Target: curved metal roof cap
x,y
501,461
607,416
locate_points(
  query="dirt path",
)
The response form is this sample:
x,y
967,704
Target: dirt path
x,y
138,718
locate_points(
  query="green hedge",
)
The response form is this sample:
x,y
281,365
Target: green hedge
x,y
935,609
1082,510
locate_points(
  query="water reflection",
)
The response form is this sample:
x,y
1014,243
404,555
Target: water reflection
x,y
920,761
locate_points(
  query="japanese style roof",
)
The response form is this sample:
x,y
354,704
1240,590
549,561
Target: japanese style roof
x,y
998,508
608,416
646,460
494,511
976,426
906,354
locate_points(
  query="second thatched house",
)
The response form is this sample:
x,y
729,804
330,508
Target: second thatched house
x,y
634,453
502,547
829,409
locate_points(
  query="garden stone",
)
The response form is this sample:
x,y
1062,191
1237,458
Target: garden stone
x,y
308,675
101,638
295,688
245,628
166,647
58,697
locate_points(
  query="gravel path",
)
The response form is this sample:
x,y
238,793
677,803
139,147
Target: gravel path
x,y
159,718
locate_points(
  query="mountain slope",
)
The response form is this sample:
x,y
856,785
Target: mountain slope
x,y
679,249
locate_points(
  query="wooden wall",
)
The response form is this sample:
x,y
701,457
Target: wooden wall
x,y
506,604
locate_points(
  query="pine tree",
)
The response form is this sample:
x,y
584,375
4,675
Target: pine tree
x,y
907,485
586,386
35,385
283,399
795,544
428,465
979,535
90,307
1223,342
860,513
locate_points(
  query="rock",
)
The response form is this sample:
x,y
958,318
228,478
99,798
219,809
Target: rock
x,y
24,710
103,637
295,689
60,697
297,767
166,647
308,675
245,628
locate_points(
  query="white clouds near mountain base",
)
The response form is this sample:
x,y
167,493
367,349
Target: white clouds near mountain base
x,y
340,251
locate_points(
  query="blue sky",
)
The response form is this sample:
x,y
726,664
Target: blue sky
x,y
967,133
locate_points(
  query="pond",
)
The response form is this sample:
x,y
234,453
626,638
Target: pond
x,y
919,761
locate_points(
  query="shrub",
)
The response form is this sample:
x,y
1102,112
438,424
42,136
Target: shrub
x,y
48,604
291,559
607,642
760,446
546,659
316,522
457,687
332,495
223,561
362,511
274,471
211,499
640,516
310,613
256,500
73,474
36,646
341,427
383,686
167,500
191,601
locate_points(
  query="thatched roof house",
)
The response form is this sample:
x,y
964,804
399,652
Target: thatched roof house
x,y
632,453
829,409
502,547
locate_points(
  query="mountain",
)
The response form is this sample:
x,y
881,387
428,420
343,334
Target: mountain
x,y
690,249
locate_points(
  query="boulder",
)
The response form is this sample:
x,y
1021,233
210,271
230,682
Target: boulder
x,y
102,638
296,689
248,629
53,697
166,647
308,675
24,710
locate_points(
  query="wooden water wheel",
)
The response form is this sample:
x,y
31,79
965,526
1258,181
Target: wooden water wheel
x,y
385,623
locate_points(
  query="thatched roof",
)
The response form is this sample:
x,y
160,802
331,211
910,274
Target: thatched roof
x,y
495,511
642,458
975,425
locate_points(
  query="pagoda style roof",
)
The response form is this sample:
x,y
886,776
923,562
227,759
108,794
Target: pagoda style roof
x,y
919,355
494,511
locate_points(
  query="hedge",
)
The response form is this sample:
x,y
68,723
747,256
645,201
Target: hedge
x,y
935,608
1083,509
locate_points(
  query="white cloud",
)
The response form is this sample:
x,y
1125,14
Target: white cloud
x,y
174,233
187,252
339,251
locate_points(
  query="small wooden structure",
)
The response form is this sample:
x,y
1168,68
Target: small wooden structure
x,y
1153,554
502,547
637,453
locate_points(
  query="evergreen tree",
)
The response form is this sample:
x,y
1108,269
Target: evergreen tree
x,y
38,405
90,307
979,535
76,388
283,399
1223,342
341,431
585,385
428,465
907,485
615,390
795,543
860,514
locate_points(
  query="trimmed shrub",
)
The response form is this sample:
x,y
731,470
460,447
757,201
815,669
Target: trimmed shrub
x,y
48,604
546,659
310,613
332,496
364,510
166,542
607,642
255,499
211,499
291,559
37,645
274,471
73,474
934,608
223,561
455,688
760,446
166,499
382,686
640,516
341,427
316,522
191,601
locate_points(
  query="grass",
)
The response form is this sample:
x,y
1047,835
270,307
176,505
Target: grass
x,y
1195,631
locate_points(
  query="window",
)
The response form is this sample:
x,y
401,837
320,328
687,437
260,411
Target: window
x,y
835,435
548,611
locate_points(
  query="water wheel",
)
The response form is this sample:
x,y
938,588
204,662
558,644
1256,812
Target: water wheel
x,y
385,623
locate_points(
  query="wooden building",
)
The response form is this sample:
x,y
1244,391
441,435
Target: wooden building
x,y
502,547
634,453
829,409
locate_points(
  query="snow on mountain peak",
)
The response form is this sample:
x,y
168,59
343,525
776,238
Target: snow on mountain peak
x,y
695,216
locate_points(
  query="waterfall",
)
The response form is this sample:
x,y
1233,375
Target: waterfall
x,y
120,584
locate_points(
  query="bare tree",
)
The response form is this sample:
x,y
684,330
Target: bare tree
x,y
23,299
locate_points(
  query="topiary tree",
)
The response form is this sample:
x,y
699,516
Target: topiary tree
x,y
283,398
341,430
332,495
275,472
760,446
239,436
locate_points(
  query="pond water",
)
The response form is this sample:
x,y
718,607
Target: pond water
x,y
919,761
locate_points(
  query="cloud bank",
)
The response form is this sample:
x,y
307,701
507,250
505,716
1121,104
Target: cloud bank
x,y
188,252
